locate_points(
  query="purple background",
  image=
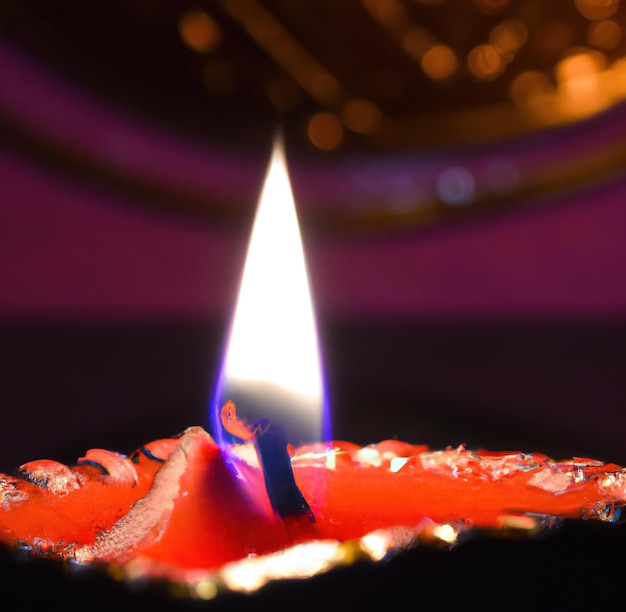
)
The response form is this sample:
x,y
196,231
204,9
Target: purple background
x,y
501,327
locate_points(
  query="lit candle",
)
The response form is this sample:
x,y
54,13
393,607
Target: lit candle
x,y
241,507
272,362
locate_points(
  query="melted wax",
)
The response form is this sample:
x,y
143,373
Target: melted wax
x,y
176,509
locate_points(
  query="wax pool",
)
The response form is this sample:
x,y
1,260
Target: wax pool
x,y
177,509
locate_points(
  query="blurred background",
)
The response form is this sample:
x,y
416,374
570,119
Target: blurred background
x,y
459,171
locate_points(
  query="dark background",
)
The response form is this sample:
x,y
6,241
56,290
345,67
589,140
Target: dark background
x,y
547,385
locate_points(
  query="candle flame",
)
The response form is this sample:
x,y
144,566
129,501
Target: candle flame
x,y
272,366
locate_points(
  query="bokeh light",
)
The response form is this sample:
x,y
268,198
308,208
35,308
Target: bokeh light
x,y
362,116
509,36
412,73
416,42
597,9
199,31
485,62
456,186
325,131
439,62
579,83
606,34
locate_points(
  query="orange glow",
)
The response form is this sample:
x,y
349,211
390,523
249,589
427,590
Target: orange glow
x,y
285,50
595,10
324,87
530,86
387,12
616,77
417,42
578,76
439,62
509,35
578,73
605,34
585,84
490,6
485,62
199,31
534,92
362,116
414,40
325,131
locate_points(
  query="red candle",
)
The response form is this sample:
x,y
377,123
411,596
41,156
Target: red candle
x,y
175,509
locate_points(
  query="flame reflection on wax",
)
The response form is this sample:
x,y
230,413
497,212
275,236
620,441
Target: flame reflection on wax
x,y
272,369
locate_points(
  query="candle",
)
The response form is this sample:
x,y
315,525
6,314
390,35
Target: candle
x,y
241,507
174,509
272,365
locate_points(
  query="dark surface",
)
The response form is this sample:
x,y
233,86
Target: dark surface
x,y
578,567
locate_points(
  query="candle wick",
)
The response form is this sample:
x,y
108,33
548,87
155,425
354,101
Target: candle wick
x,y
271,446
286,498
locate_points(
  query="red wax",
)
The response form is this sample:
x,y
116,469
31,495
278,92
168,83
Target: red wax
x,y
178,503
477,488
